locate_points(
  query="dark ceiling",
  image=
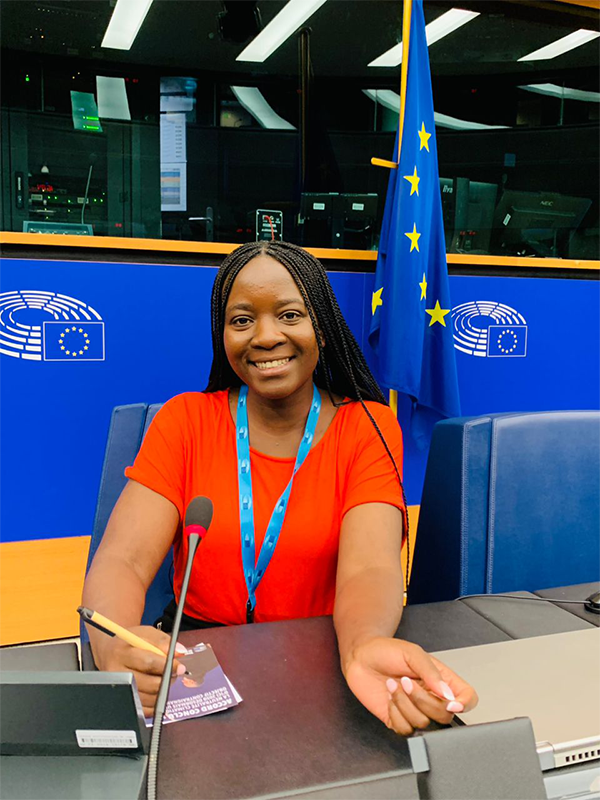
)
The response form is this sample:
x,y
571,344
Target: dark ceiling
x,y
346,35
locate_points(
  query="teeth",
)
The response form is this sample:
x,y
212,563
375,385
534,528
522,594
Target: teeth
x,y
271,364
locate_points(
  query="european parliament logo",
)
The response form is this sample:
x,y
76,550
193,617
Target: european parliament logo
x,y
75,331
485,328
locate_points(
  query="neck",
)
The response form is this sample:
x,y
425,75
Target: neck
x,y
281,415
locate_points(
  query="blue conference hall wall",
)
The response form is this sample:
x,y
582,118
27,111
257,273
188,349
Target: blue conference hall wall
x,y
143,334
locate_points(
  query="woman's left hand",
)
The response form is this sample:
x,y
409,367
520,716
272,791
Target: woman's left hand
x,y
404,687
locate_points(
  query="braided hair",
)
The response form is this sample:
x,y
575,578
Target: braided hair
x,y
341,369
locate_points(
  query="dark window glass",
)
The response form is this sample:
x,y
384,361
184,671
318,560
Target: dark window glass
x,y
176,138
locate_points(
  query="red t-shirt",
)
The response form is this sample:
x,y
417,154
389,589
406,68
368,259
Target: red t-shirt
x,y
190,450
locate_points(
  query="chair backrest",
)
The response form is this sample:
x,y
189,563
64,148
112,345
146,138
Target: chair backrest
x,y
128,426
510,501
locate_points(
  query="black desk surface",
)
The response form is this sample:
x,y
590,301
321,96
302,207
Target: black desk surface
x,y
298,726
299,731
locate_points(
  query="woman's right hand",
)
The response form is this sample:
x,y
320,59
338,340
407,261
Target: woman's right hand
x,y
147,668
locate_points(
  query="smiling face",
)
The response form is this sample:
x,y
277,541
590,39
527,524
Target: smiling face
x,y
269,339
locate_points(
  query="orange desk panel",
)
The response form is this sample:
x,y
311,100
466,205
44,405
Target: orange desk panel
x,y
40,588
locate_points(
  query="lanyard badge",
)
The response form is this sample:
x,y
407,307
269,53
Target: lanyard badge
x,y
255,569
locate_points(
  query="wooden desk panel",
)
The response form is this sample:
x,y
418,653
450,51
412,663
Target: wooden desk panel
x,y
40,588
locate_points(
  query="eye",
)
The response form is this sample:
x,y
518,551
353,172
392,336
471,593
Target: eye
x,y
290,316
240,322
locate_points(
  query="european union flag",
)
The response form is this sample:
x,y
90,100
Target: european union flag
x,y
72,340
507,340
410,327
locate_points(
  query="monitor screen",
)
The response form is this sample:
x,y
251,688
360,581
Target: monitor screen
x,y
537,223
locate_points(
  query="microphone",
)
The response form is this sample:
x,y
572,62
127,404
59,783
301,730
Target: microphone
x,y
197,521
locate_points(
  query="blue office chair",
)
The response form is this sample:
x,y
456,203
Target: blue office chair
x,y
128,426
510,501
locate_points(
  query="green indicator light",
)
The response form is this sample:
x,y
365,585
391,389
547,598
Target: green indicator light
x,y
27,78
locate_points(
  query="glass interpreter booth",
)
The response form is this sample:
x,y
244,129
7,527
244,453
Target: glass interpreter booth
x,y
181,137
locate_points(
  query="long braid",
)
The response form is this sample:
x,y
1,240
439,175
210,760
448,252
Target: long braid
x,y
341,369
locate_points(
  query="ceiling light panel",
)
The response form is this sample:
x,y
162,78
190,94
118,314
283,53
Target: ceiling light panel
x,y
252,99
436,30
560,46
390,99
125,23
562,92
281,27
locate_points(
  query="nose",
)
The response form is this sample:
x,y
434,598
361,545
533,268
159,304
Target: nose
x,y
267,334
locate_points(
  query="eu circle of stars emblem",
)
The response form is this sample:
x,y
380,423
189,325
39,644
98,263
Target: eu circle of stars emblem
x,y
74,341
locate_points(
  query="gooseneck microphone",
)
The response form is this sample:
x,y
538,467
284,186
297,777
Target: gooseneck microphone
x,y
197,520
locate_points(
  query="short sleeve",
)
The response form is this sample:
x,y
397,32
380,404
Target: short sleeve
x,y
160,463
372,477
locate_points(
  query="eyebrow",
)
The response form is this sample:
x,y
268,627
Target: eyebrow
x,y
279,304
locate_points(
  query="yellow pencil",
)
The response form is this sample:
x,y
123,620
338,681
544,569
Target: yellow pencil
x,y
108,626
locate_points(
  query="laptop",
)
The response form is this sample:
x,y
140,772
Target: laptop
x,y
554,680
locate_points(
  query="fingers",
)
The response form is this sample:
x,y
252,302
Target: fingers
x,y
440,680
146,666
404,715
464,693
413,707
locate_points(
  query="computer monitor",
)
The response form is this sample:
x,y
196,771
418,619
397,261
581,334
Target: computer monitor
x,y
468,213
447,194
481,205
358,206
317,205
346,220
537,223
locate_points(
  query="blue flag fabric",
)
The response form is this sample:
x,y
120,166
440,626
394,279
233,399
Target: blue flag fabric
x,y
411,329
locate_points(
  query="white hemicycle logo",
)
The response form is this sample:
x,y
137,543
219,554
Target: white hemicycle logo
x,y
74,332
489,329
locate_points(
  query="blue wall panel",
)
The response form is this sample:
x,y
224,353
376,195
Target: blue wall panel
x,y
54,415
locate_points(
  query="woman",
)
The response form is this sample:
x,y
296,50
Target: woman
x,y
293,436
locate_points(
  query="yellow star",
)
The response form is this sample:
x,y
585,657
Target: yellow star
x,y
424,137
86,347
423,286
81,352
62,347
376,300
414,181
414,239
80,330
68,352
73,328
437,314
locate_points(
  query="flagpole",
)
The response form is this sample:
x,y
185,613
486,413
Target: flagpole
x,y
403,81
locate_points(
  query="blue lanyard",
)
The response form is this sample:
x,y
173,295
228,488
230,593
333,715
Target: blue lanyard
x,y
254,573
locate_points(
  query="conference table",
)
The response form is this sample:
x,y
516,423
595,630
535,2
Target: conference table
x,y
299,731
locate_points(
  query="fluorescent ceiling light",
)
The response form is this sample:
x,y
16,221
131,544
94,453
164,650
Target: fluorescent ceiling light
x,y
253,101
436,30
125,23
281,27
562,92
560,46
445,121
112,98
390,99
